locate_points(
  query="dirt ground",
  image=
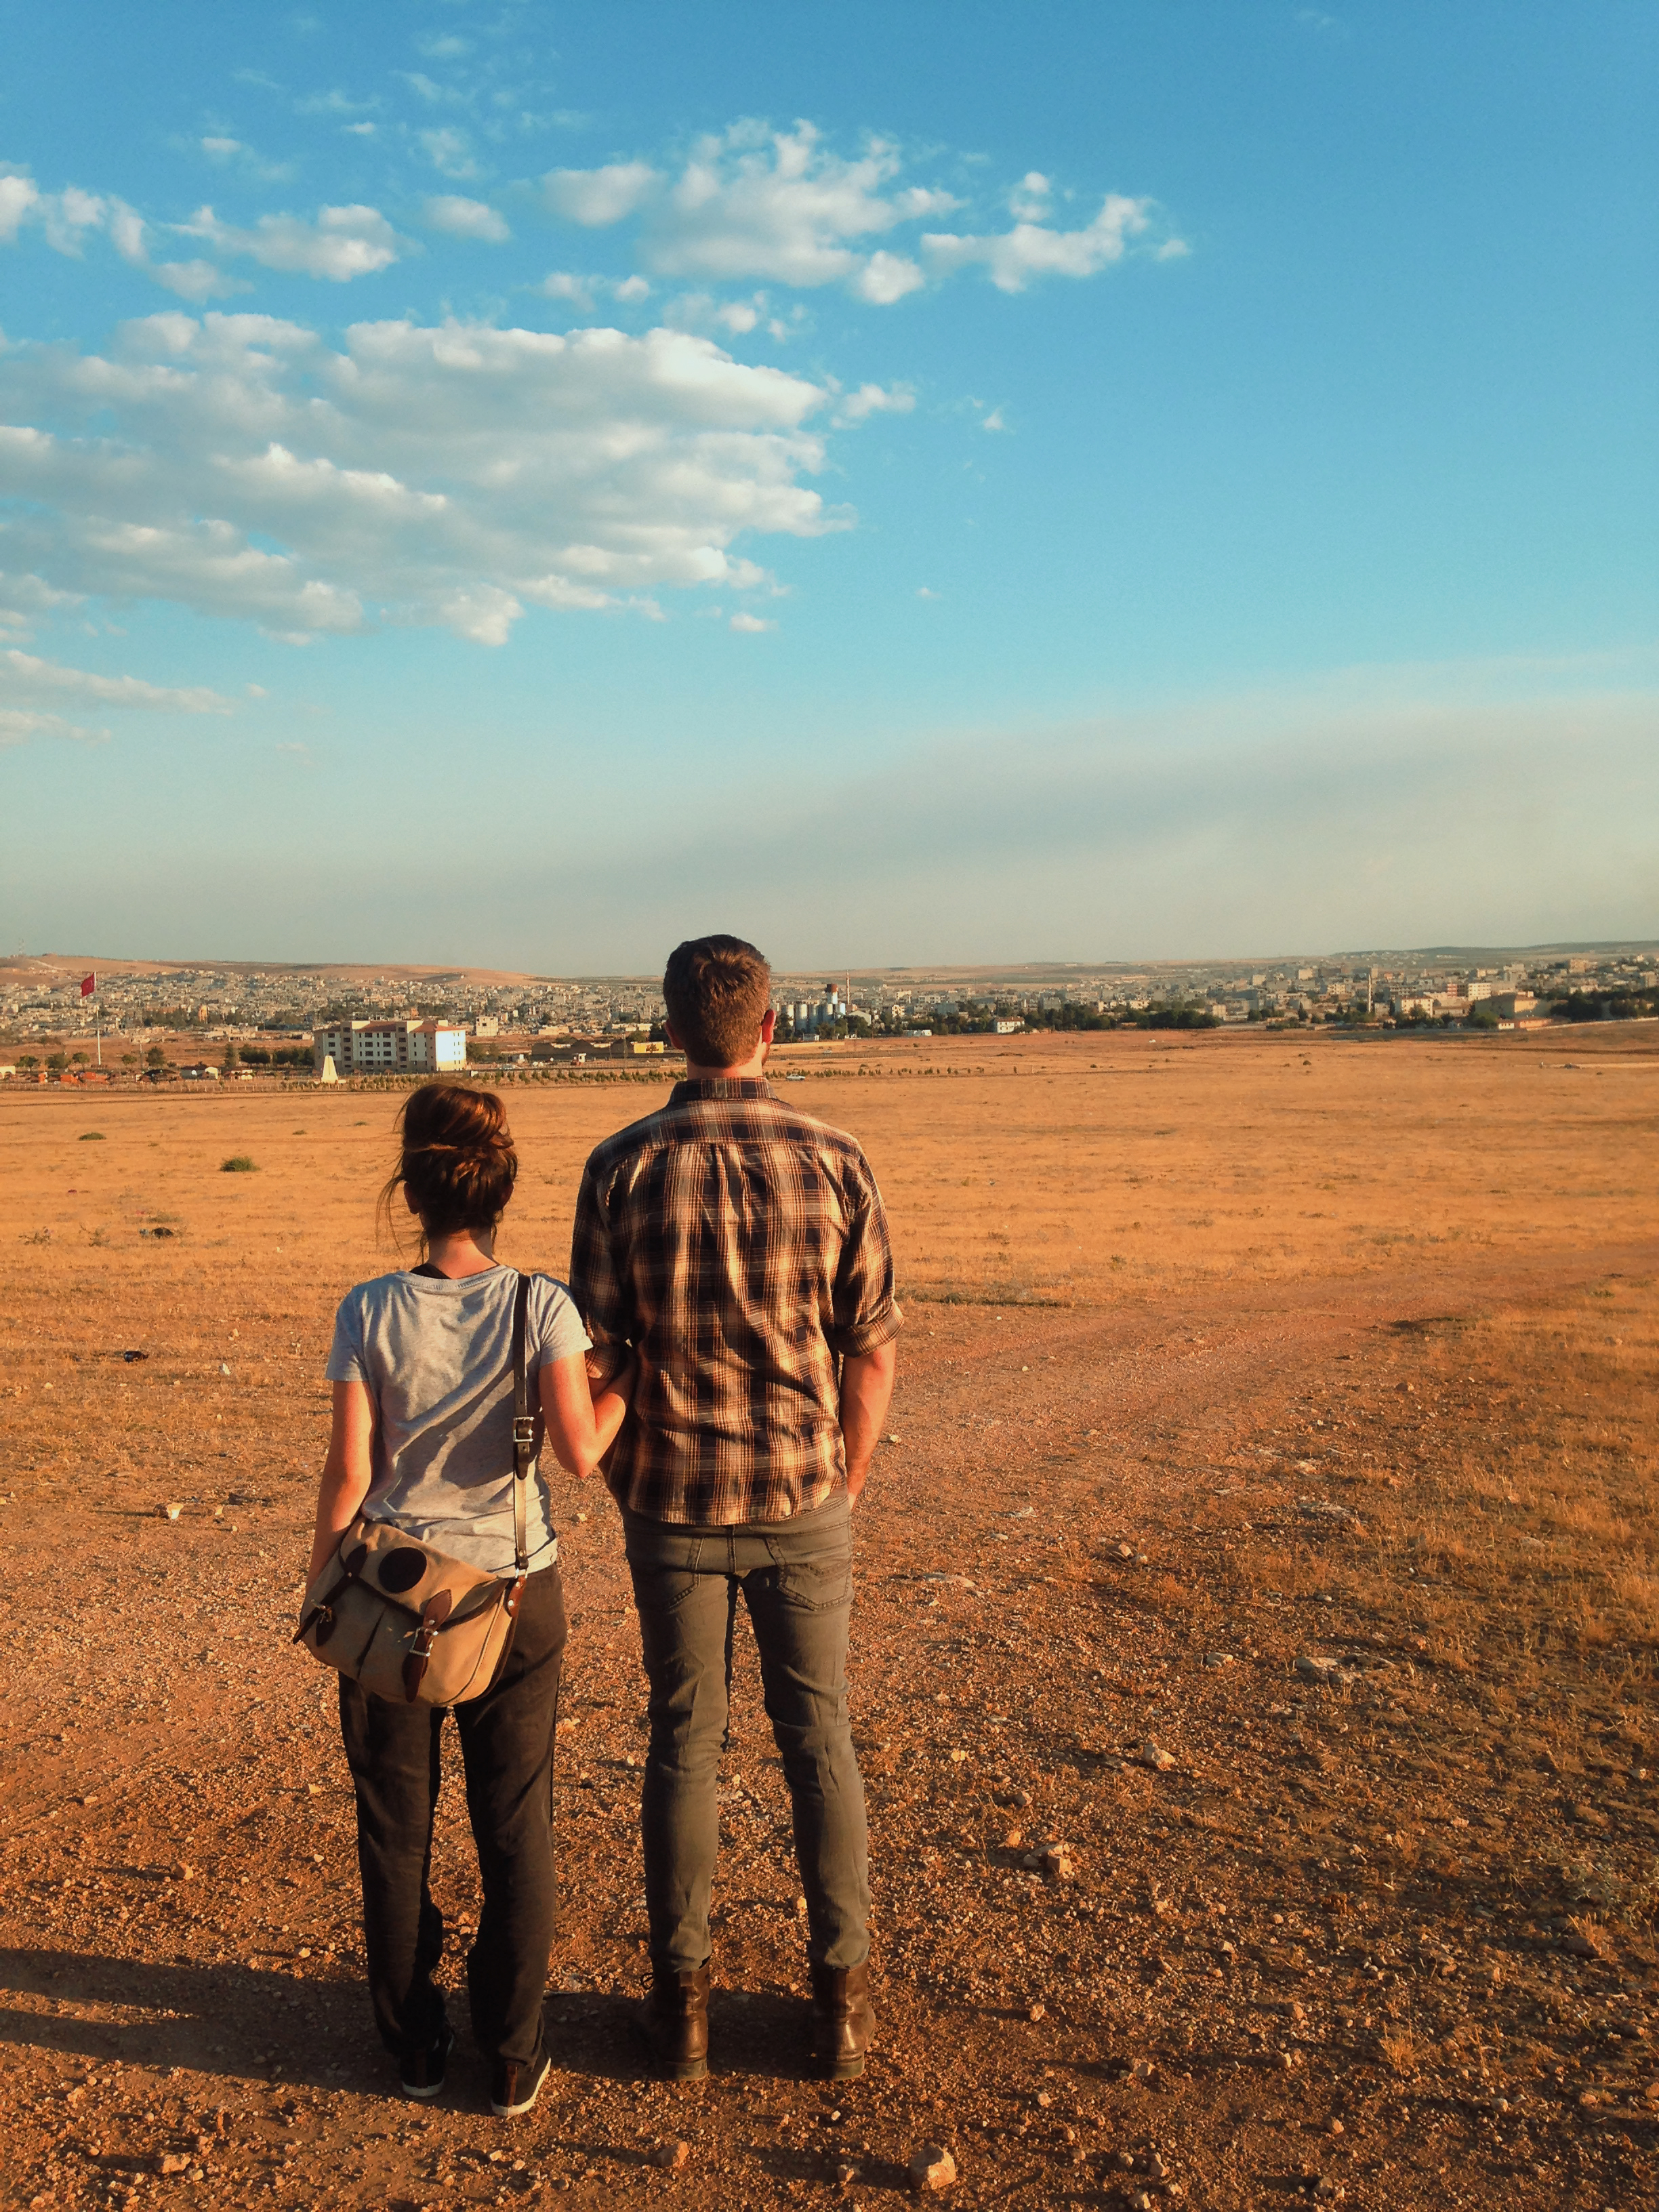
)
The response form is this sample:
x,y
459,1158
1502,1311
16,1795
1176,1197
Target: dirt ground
x,y
1283,1408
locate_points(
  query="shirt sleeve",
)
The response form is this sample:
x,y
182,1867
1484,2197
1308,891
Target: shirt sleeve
x,y
866,1314
347,1357
596,1283
559,1331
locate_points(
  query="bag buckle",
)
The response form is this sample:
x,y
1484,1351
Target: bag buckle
x,y
524,1431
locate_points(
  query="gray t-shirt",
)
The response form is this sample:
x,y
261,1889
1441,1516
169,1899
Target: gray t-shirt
x,y
437,1357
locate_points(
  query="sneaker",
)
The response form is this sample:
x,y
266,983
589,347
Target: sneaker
x,y
423,2073
514,2088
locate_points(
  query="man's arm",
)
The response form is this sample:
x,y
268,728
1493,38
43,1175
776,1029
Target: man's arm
x,y
867,1320
866,1391
597,1287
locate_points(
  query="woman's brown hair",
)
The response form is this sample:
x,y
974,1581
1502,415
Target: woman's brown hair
x,y
457,1163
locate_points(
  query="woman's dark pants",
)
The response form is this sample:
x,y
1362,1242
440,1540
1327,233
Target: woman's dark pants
x,y
796,1577
506,1749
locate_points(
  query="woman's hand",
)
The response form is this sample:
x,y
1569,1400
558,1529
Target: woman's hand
x,y
623,1383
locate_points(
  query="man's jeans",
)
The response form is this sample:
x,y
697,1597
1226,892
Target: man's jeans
x,y
506,1748
796,1577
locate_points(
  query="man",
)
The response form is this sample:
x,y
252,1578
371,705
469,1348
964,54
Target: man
x,y
739,1249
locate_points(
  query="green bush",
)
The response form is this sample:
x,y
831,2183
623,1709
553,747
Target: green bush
x,y
237,1164
91,1137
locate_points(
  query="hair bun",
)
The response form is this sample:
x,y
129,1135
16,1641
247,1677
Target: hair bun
x,y
457,1162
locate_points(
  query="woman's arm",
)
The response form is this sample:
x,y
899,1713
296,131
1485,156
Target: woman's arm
x,y
581,1427
347,1472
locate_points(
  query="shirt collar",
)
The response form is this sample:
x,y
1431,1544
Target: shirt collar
x,y
719,1087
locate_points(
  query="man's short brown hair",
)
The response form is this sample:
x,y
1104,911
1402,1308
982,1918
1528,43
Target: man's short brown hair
x,y
716,990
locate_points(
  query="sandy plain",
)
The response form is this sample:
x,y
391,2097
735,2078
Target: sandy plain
x,y
1222,1354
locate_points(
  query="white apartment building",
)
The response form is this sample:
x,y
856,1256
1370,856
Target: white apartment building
x,y
405,1048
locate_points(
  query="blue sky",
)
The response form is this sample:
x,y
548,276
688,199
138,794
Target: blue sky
x,y
523,483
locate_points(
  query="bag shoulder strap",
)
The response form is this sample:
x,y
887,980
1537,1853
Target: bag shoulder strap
x,y
525,1439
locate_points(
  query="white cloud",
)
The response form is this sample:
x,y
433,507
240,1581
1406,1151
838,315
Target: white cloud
x,y
464,218
225,150
449,151
885,277
706,311
923,593
751,624
594,197
18,724
1032,249
436,95
127,231
450,476
22,674
870,400
344,242
1029,200
564,284
195,281
752,202
24,599
994,421
19,199
334,102
25,681
777,206
583,291
68,215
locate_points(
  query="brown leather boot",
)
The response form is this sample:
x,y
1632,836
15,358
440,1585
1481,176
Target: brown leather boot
x,y
842,2020
674,2023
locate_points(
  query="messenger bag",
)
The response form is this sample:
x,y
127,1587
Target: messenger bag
x,y
404,1619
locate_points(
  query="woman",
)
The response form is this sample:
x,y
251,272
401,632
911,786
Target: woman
x,y
422,1375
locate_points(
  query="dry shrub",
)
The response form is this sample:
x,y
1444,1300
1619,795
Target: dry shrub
x,y
1590,1626
1592,1932
1165,1591
1403,2048
1639,1593
1585,1882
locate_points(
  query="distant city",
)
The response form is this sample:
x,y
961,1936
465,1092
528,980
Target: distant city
x,y
337,1020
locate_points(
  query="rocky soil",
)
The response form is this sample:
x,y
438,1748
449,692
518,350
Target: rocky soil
x,y
1254,1691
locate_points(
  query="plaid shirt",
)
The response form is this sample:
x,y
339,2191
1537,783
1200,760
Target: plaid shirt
x,y
741,1250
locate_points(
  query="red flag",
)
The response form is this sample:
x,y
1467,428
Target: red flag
x,y
89,985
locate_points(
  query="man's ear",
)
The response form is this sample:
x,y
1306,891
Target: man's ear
x,y
672,1041
768,1023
